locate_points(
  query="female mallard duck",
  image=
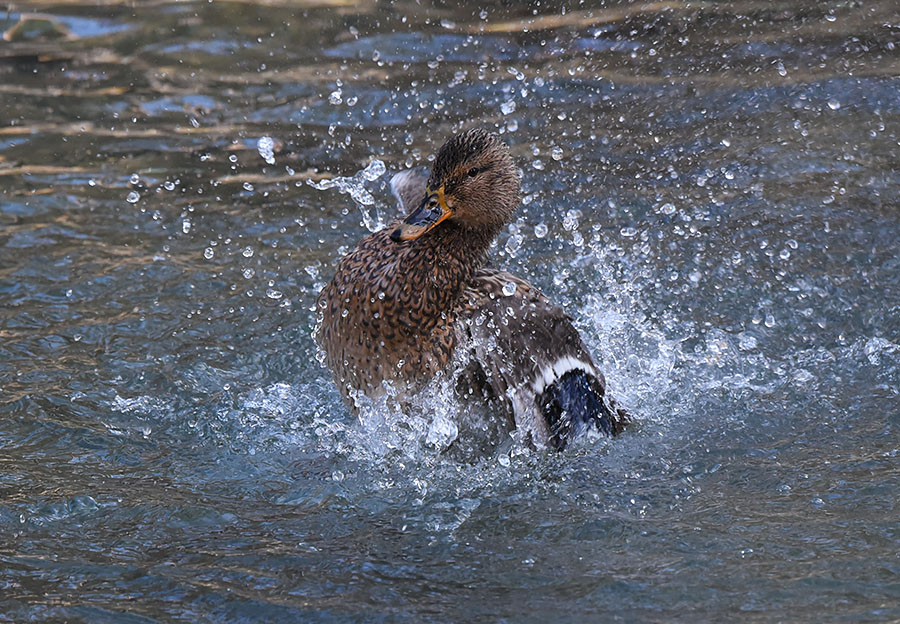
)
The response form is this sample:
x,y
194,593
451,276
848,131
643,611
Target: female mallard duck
x,y
415,298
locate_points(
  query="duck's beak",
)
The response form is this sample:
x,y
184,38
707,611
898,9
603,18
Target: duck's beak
x,y
430,212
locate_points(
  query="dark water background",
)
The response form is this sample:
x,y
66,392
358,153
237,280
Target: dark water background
x,y
711,190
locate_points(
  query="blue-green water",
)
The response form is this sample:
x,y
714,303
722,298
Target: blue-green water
x,y
710,190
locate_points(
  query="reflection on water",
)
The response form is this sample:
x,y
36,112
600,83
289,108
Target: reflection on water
x,y
710,189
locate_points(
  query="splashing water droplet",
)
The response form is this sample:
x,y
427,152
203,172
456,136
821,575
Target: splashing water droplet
x,y
247,252
508,107
271,293
509,289
186,226
570,221
515,72
513,244
833,104
355,187
556,153
208,253
266,148
540,230
373,171
133,197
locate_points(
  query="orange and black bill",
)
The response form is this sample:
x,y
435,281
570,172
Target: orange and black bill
x,y
430,212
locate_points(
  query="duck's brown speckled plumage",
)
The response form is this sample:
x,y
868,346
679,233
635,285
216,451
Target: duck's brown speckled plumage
x,y
390,312
399,312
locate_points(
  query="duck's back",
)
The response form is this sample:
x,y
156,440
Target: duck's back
x,y
533,360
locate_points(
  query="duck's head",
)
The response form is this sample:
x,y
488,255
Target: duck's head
x,y
473,183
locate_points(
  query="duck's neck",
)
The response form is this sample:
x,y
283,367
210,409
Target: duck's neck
x,y
451,256
464,248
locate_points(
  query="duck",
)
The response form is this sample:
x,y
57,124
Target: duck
x,y
418,299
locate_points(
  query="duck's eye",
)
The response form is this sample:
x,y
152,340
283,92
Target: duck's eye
x,y
474,171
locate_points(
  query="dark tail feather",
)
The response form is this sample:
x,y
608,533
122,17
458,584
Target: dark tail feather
x,y
573,404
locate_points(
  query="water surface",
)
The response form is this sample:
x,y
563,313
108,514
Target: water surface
x,y
710,190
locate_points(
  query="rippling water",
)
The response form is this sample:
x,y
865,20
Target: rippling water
x,y
711,190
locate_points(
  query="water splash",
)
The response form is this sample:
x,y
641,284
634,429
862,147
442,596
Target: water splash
x,y
355,186
266,148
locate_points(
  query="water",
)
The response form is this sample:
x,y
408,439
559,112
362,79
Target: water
x,y
709,189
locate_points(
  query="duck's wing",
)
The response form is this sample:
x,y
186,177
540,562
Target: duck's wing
x,y
532,359
409,188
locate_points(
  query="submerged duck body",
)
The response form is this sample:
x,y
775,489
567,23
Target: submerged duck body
x,y
415,300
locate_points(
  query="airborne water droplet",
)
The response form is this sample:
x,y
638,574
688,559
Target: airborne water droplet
x,y
373,171
266,148
133,197
509,289
355,186
513,244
